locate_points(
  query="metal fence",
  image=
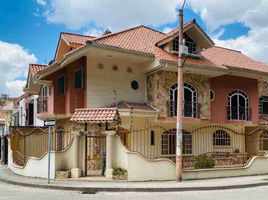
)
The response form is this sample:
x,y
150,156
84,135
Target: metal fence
x,y
227,145
29,142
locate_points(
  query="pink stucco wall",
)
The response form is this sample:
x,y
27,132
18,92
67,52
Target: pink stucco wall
x,y
222,86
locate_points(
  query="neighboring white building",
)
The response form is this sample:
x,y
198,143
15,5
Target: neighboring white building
x,y
28,108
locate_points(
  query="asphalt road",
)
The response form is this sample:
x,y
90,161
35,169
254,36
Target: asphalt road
x,y
11,192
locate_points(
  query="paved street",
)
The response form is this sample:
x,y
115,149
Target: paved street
x,y
22,193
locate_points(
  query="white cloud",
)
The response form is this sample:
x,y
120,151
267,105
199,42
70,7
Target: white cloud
x,y
14,62
41,2
115,14
94,31
252,14
167,29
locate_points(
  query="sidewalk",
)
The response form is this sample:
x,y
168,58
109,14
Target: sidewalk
x,y
90,186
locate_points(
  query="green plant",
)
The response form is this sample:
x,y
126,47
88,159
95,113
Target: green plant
x,y
119,172
204,162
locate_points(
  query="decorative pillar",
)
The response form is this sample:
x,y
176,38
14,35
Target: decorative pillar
x,y
109,153
76,171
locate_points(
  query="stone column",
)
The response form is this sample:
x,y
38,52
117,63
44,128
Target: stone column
x,y
76,171
109,153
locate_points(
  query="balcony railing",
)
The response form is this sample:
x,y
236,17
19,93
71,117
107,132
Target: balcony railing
x,y
189,109
238,113
42,103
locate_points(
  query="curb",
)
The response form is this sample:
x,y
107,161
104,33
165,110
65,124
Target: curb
x,y
94,190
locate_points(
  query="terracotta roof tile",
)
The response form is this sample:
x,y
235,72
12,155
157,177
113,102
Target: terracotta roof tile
x,y
35,68
176,30
144,39
92,115
231,58
127,105
76,38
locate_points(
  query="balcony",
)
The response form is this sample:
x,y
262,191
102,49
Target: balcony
x,y
238,113
189,109
42,105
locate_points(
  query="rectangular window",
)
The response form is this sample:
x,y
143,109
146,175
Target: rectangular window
x,y
176,44
152,138
61,85
78,79
265,107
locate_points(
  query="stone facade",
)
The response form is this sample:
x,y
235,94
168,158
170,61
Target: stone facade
x,y
159,85
263,88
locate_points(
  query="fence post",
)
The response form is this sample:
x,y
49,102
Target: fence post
x,y
49,147
109,153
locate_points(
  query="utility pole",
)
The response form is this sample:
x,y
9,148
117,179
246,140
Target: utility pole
x,y
179,139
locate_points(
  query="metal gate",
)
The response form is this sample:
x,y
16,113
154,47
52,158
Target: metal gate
x,y
95,155
4,150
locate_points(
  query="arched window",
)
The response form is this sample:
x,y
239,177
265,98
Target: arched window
x,y
264,141
169,143
238,106
45,91
60,132
189,101
221,138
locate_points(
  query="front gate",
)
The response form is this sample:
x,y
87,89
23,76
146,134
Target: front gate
x,y
95,155
4,150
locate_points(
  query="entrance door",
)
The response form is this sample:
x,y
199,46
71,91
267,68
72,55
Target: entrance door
x,y
95,155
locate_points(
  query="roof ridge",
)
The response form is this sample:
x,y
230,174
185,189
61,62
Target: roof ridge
x,y
186,23
115,33
77,34
126,30
38,64
229,49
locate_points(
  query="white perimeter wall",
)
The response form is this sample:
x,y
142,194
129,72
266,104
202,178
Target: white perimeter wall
x,y
140,169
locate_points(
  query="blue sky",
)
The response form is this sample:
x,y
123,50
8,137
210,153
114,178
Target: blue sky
x,y
32,27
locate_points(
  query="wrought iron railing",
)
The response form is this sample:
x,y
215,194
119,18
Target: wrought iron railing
x,y
238,113
189,109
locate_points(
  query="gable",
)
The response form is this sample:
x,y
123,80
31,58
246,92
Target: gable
x,y
191,30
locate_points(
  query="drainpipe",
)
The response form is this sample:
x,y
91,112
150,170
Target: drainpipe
x,y
179,104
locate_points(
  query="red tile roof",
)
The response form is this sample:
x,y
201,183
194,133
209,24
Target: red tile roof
x,y
231,58
143,39
35,68
76,38
93,115
127,105
176,30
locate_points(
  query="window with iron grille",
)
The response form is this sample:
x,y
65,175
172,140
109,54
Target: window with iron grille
x,y
221,138
238,106
263,105
190,105
169,143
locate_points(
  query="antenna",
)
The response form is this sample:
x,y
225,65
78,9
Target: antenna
x,y
183,4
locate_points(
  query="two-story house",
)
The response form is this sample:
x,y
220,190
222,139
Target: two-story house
x,y
127,82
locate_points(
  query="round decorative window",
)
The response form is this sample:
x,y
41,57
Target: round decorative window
x,y
212,95
134,85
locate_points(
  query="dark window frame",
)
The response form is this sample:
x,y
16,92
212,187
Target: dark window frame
x,y
64,85
82,79
262,100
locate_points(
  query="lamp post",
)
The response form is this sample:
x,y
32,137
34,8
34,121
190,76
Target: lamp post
x,y
179,101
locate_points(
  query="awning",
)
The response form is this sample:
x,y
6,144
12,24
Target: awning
x,y
95,115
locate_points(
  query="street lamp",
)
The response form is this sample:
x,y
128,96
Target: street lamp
x,y
179,100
